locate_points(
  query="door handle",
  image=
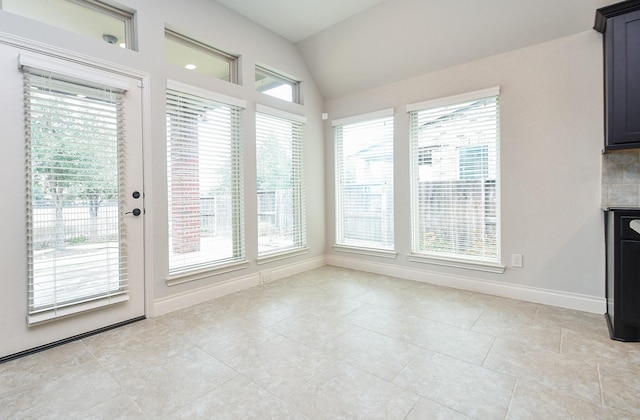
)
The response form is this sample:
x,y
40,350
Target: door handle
x,y
135,212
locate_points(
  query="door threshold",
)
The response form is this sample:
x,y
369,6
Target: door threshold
x,y
68,340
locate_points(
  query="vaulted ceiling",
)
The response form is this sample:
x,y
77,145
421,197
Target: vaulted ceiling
x,y
353,45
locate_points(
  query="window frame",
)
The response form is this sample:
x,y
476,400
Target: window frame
x,y
296,96
448,259
238,260
374,118
217,53
126,16
299,205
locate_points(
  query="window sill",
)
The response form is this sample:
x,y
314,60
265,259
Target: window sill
x,y
366,251
281,255
458,263
189,276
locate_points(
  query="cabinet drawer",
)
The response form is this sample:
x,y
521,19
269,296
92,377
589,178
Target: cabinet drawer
x,y
626,232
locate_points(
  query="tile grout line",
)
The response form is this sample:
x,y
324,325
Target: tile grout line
x,y
489,352
600,384
124,390
513,392
535,316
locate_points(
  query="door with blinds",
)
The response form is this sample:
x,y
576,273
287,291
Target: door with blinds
x,y
81,173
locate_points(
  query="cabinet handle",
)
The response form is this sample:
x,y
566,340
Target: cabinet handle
x,y
635,225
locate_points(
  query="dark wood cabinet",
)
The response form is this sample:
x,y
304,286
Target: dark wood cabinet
x,y
620,26
623,275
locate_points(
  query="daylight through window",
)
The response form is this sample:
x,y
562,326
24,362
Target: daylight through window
x,y
199,57
91,18
280,182
364,181
455,182
205,185
276,85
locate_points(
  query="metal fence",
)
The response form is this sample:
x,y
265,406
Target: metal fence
x,y
74,224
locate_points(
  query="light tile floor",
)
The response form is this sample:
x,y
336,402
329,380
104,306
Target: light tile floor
x,y
335,343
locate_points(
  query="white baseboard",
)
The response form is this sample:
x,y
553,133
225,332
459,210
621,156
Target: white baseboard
x,y
203,294
562,299
267,274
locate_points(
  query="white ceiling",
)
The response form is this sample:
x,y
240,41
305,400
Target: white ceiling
x,y
295,20
353,45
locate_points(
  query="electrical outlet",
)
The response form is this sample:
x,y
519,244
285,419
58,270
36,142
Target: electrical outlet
x,y
516,260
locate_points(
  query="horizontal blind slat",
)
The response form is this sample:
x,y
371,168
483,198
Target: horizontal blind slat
x,y
364,178
280,175
204,170
74,143
455,166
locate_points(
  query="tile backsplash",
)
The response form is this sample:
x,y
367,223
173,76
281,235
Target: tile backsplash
x,y
621,178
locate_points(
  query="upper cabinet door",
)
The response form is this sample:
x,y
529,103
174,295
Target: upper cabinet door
x,y
620,24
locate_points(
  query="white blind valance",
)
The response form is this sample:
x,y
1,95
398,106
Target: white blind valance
x,y
205,94
275,112
69,71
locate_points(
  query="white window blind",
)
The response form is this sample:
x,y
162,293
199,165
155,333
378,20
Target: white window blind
x,y
364,181
455,165
205,182
75,137
280,182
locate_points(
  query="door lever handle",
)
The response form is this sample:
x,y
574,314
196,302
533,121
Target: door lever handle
x,y
135,212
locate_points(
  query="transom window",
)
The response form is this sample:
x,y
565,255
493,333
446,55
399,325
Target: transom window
x,y
277,85
87,17
199,57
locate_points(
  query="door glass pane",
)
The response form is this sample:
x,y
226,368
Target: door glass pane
x,y
74,227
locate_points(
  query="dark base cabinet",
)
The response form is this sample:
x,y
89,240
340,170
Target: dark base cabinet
x,y
623,274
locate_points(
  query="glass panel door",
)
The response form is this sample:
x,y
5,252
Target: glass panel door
x,y
77,241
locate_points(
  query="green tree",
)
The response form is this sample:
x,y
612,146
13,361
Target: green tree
x,y
70,156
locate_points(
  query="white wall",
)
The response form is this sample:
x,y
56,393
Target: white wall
x,y
208,22
399,39
551,140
